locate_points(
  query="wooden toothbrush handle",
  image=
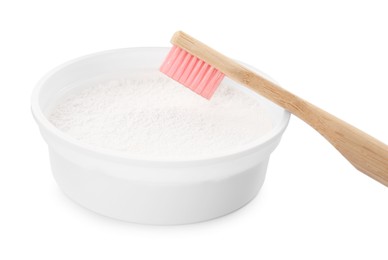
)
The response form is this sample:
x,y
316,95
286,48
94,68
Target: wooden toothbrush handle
x,y
366,153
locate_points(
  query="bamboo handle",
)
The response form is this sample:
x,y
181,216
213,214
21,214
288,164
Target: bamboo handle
x,y
366,153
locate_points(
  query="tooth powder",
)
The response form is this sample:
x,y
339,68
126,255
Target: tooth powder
x,y
147,114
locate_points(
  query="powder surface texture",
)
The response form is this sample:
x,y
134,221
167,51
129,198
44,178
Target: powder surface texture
x,y
149,115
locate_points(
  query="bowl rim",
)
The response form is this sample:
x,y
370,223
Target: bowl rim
x,y
104,153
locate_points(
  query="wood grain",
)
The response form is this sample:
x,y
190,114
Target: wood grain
x,y
366,153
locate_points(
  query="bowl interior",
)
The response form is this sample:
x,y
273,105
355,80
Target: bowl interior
x,y
105,64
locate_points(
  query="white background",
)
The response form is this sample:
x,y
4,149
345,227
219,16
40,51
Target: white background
x,y
313,205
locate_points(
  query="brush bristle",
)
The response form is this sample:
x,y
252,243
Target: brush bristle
x,y
192,72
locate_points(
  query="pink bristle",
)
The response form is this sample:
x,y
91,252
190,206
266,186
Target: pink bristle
x,y
205,80
186,73
178,73
167,62
199,76
192,72
213,84
176,59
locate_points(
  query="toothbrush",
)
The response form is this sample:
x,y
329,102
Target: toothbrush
x,y
201,69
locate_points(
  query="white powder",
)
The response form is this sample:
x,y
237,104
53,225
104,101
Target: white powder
x,y
148,114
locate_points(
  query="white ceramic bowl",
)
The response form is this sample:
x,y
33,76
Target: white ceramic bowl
x,y
148,190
